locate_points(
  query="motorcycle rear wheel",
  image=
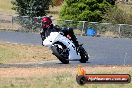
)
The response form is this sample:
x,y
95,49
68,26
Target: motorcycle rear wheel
x,y
83,54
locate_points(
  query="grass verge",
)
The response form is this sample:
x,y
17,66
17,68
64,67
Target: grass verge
x,y
16,53
62,77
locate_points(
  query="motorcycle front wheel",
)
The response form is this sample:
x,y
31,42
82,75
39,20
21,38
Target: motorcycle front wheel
x,y
61,52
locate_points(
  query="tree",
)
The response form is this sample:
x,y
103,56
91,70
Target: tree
x,y
31,8
87,10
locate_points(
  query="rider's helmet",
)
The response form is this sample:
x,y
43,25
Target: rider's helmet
x,y
46,22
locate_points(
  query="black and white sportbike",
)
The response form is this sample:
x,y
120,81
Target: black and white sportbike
x,y
64,49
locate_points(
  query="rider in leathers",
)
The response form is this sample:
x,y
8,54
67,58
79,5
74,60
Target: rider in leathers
x,y
48,27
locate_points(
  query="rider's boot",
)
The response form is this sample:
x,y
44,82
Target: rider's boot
x,y
77,45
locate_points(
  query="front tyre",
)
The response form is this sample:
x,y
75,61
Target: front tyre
x,y
61,52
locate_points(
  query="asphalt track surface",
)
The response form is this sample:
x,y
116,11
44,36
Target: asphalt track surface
x,y
102,51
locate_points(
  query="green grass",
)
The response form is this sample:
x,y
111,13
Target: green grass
x,y
60,80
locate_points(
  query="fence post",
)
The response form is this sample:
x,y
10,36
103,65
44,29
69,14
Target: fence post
x,y
119,31
83,28
12,23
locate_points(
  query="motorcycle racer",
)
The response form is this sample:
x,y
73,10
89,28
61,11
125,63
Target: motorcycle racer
x,y
48,27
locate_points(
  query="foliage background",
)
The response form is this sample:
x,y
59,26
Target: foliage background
x,y
31,8
86,10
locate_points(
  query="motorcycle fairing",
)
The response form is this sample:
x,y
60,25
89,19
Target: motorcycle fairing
x,y
55,37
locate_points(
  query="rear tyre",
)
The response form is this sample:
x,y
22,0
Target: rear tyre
x,y
61,52
83,54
